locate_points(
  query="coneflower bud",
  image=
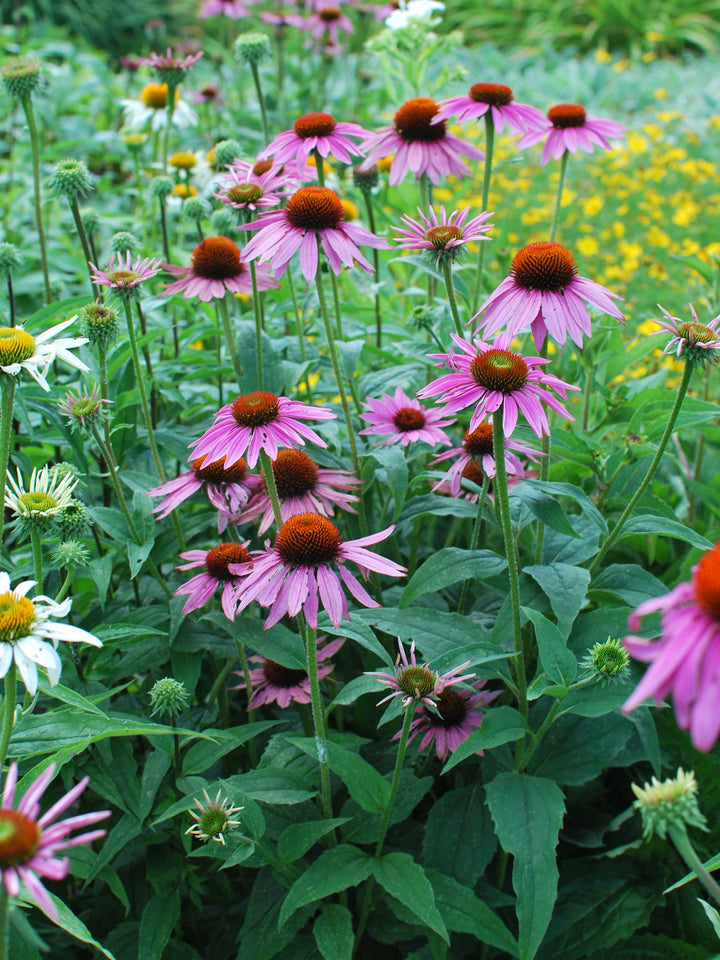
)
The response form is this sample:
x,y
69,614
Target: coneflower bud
x,y
21,76
124,242
168,696
224,153
71,179
366,178
161,187
252,48
99,323
667,804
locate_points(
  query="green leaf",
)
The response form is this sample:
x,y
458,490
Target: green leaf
x,y
366,786
156,925
712,915
557,661
71,924
137,555
569,490
393,464
354,630
335,870
71,697
463,912
459,839
499,725
597,700
356,688
201,756
651,524
273,786
434,505
333,932
449,566
565,586
406,881
545,508
155,767
40,320
259,938
576,749
629,583
528,813
298,838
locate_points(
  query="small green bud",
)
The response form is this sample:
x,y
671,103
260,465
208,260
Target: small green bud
x,y
214,818
71,179
135,141
21,76
366,179
224,153
252,48
73,521
222,222
99,323
161,187
10,257
607,661
168,696
424,317
672,803
194,209
124,242
70,553
90,219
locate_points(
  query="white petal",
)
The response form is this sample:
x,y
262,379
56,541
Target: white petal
x,y
6,655
28,670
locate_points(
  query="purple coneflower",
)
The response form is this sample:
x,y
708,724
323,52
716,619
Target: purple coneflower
x,y
569,127
224,8
245,190
685,661
29,843
302,487
307,567
258,421
327,21
456,718
170,68
475,459
412,682
404,421
496,98
545,293
216,268
446,237
312,214
692,340
124,276
493,378
316,131
274,683
419,145
216,562
228,488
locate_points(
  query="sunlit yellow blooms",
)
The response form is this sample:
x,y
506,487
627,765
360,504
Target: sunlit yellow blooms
x,y
592,205
588,246
657,237
618,229
602,56
661,93
636,143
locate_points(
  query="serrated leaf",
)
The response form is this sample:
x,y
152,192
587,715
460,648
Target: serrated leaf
x,y
629,583
333,932
406,881
450,566
366,786
557,661
500,725
464,912
576,749
335,870
528,813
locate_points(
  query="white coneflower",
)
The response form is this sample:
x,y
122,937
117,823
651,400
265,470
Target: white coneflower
x,y
19,350
46,495
152,106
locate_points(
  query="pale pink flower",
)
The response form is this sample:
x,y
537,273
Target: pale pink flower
x,y
492,378
216,563
456,718
445,237
569,127
545,293
224,8
404,421
685,660
30,843
316,131
475,459
274,683
171,68
326,22
418,145
308,567
313,214
496,98
244,190
216,268
124,275
303,487
691,339
412,682
258,421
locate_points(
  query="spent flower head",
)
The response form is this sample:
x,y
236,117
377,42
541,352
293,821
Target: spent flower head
x,y
73,520
669,804
214,818
20,76
607,661
168,696
71,179
171,70
84,410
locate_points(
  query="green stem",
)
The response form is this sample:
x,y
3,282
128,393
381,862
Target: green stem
x,y
168,125
252,750
4,925
452,299
65,588
318,714
336,301
258,325
612,537
679,837
35,146
271,486
320,167
141,388
8,712
87,252
224,312
559,194
475,537
261,101
376,264
367,900
487,176
36,542
503,502
6,411
424,188
11,297
544,474
589,376
300,327
111,463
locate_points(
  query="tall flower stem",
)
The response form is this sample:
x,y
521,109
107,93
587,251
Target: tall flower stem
x,y
336,301
87,252
475,536
35,147
299,323
141,388
452,299
424,188
559,195
8,712
36,541
261,101
224,312
257,307
271,486
367,900
4,925
111,463
544,474
487,176
320,167
615,533
168,126
376,264
503,503
245,666
11,297
6,411
318,714
684,847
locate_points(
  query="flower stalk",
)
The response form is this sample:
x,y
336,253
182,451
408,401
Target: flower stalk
x,y
35,147
7,400
224,312
558,196
452,298
487,175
